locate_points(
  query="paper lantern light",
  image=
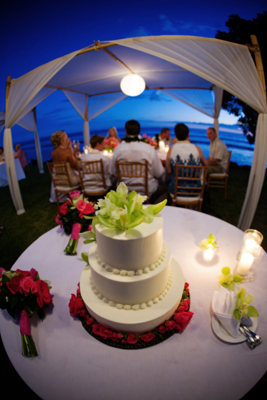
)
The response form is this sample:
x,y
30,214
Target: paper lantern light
x,y
132,85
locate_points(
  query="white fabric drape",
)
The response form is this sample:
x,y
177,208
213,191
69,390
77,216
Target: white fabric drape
x,y
24,94
99,104
200,100
11,172
29,122
94,106
257,174
227,65
80,103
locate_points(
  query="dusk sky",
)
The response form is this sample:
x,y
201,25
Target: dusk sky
x,y
36,32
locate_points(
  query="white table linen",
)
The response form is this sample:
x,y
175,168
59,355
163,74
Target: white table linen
x,y
3,174
192,365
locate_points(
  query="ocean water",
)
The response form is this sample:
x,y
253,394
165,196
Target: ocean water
x,y
242,151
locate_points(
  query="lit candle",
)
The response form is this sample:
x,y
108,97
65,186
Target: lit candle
x,y
161,145
250,245
208,254
105,152
85,151
245,263
166,149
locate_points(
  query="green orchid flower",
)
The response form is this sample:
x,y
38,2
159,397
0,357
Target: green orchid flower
x,y
242,307
122,211
208,243
122,190
228,280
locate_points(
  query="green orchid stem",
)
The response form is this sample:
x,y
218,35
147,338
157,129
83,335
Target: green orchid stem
x,y
28,346
71,248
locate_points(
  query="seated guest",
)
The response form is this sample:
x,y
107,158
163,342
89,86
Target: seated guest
x,y
21,156
218,157
182,152
113,133
164,136
97,143
2,155
64,153
135,149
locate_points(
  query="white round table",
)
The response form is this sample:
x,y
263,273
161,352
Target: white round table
x,y
192,365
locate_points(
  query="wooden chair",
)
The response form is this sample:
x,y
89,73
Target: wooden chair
x,y
60,176
93,178
189,186
220,180
134,175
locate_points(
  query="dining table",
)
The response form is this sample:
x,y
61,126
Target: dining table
x,y
198,363
3,174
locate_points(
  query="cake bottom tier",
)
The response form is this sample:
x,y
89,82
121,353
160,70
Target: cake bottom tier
x,y
131,321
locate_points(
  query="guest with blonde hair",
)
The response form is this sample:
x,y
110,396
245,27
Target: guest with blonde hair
x,y
64,153
113,133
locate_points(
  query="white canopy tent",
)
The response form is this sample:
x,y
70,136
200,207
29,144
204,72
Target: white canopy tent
x,y
192,69
29,123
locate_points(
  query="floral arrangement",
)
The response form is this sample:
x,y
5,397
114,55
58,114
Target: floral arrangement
x,y
122,211
111,144
229,280
138,138
150,141
75,216
206,244
22,293
242,307
177,323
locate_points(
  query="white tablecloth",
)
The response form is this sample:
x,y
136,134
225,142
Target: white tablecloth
x,y
188,366
3,175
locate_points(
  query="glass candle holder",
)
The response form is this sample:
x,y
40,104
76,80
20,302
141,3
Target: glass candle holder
x,y
209,253
249,256
252,239
251,242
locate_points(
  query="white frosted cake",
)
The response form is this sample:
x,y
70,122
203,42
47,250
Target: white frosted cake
x,y
132,283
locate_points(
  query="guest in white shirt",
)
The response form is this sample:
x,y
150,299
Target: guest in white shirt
x,y
218,157
135,149
164,137
97,143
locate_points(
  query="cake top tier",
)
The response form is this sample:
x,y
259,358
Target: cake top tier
x,y
133,249
140,231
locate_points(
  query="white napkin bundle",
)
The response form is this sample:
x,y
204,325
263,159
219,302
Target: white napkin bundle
x,y
223,305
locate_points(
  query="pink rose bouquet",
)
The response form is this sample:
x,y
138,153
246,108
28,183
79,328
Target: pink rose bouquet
x,y
21,294
111,144
75,217
150,141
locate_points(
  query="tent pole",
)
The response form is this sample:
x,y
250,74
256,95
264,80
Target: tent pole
x,y
10,161
257,53
245,219
86,129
